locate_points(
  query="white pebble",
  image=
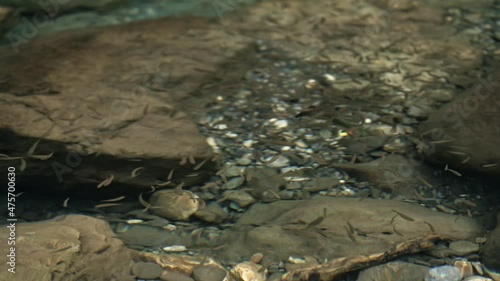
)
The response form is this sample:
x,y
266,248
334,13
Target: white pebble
x,y
175,248
281,162
134,221
301,144
248,143
211,141
220,127
280,124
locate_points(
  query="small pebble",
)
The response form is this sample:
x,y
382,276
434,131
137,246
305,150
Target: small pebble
x,y
146,270
208,273
443,273
281,162
463,248
234,183
257,258
175,248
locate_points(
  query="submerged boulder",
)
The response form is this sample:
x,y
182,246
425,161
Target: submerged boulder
x,y
72,247
464,134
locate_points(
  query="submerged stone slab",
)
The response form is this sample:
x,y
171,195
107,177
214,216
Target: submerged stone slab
x,y
103,100
283,229
73,247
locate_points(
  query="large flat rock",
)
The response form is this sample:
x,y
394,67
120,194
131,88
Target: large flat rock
x,y
116,92
281,228
74,248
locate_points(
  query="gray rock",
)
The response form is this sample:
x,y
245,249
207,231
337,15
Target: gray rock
x,y
212,213
73,247
491,249
443,273
394,271
170,205
234,183
146,270
470,122
144,235
463,248
441,95
242,198
208,273
280,228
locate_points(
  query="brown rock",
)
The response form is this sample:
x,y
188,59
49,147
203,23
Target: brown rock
x,y
170,205
147,270
95,92
491,249
469,127
74,248
393,271
281,228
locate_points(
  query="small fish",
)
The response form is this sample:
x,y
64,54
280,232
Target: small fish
x,y
272,160
178,189
210,184
316,222
135,172
22,167
144,203
11,158
65,203
440,141
19,194
183,160
392,220
114,199
456,152
32,148
426,183
466,159
192,175
164,183
170,174
106,181
469,203
63,249
452,171
431,227
41,157
351,228
197,167
222,199
105,205
419,196
191,159
351,236
153,189
408,218
489,165
397,232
